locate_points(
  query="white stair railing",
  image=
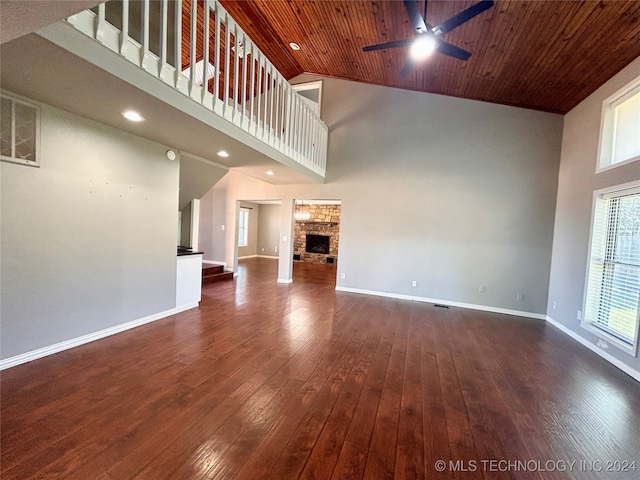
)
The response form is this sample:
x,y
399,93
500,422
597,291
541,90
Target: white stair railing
x,y
203,53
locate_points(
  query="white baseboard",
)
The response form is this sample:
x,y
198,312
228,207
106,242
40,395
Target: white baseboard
x,y
273,257
484,308
285,280
75,342
607,356
247,256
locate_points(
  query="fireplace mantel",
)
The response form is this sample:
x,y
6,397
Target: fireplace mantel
x,y
317,223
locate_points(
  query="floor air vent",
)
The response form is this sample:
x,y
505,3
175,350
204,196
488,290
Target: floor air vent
x,y
440,306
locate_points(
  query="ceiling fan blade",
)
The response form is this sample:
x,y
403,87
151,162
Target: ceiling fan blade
x,y
408,66
414,16
462,17
452,51
382,46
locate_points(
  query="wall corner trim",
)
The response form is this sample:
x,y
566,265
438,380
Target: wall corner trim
x,y
635,374
483,308
285,280
90,337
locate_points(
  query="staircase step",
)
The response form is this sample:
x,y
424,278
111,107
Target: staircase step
x,y
210,269
217,277
214,273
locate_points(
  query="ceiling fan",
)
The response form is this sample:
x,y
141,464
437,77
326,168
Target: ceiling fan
x,y
427,38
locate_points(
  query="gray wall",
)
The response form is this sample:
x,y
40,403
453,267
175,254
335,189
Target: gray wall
x,y
452,193
577,182
252,241
88,239
185,226
269,230
197,176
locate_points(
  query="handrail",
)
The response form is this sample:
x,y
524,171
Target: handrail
x,y
236,81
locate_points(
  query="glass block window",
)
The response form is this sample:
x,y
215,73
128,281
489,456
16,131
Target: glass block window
x,y
19,131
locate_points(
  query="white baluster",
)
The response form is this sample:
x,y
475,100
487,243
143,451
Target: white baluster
x,y
217,105
144,53
99,25
193,84
124,33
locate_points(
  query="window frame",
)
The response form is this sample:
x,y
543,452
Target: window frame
x,y
315,85
606,142
38,108
590,324
243,227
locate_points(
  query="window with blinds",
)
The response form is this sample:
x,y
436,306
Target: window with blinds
x,y
620,130
19,131
613,283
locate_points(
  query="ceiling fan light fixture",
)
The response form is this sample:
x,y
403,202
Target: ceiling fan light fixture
x,y
423,47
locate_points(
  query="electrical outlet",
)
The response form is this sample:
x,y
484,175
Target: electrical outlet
x,y
276,249
579,315
222,227
482,288
554,305
520,296
284,238
414,283
343,276
263,249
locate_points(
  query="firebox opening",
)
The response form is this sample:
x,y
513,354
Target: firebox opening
x,y
317,244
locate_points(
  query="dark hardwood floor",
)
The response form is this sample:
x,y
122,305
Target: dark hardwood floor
x,y
272,381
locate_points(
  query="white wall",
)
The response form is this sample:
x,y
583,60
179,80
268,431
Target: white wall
x,y
452,193
89,238
577,182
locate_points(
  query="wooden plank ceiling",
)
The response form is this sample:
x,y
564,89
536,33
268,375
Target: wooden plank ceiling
x,y
544,55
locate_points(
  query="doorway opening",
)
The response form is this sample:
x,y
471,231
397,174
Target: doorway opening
x,y
316,236
257,239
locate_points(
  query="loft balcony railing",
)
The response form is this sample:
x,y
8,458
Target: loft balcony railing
x,y
198,49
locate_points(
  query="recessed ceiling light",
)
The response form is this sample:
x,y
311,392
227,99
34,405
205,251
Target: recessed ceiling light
x,y
270,172
294,46
223,154
133,116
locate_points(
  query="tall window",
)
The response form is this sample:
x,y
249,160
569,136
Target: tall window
x,y
620,134
613,284
243,228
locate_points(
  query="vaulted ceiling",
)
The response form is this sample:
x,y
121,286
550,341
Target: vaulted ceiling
x,y
542,54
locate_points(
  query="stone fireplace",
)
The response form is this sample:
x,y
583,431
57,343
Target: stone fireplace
x,y
316,233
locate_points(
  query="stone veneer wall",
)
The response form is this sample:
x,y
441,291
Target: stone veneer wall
x,y
324,220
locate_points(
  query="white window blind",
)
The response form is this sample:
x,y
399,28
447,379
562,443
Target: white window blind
x,y
243,228
613,288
